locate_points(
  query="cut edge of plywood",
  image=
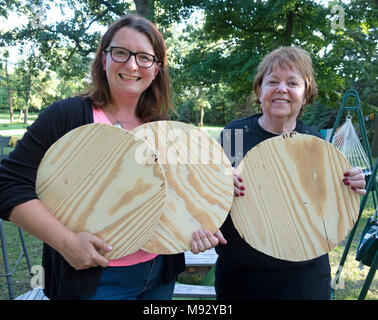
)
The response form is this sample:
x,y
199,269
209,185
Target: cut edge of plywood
x,y
151,180
265,232
175,229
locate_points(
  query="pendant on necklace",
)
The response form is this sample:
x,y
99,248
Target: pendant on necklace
x,y
118,125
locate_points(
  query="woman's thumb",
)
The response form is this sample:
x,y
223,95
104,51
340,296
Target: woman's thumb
x,y
100,244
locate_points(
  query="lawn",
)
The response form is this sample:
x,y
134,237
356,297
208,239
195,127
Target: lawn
x,y
351,280
16,116
17,128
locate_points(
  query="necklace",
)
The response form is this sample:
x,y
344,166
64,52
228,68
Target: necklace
x,y
118,123
266,127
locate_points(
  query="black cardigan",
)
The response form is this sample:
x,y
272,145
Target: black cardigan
x,y
17,185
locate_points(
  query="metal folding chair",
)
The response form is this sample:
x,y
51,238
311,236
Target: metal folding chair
x,y
355,107
4,141
370,188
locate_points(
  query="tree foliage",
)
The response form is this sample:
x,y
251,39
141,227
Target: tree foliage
x,y
212,57
237,34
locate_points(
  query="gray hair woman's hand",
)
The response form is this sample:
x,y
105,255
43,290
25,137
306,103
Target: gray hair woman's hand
x,y
355,179
238,186
204,240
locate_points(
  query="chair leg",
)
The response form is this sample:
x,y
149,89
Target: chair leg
x,y
24,248
6,262
369,278
343,259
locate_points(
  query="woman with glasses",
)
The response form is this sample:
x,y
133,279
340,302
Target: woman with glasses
x,y
130,86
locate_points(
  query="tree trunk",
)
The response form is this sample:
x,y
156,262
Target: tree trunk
x,y
201,117
10,103
374,141
288,29
145,8
197,117
26,110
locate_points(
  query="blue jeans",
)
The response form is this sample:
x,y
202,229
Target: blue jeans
x,y
142,281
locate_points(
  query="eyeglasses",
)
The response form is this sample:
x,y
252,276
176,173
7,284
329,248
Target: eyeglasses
x,y
122,55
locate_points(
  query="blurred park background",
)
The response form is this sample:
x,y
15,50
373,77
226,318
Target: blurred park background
x,y
214,47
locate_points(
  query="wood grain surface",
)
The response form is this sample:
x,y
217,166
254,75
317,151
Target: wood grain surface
x,y
199,183
295,205
91,181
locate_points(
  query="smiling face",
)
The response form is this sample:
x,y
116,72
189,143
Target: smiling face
x,y
128,79
282,94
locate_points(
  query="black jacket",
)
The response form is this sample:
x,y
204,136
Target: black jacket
x,y
17,185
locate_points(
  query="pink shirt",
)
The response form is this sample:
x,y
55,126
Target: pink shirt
x,y
136,257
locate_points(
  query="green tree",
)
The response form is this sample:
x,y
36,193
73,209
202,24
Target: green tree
x,y
236,34
7,84
218,52
200,106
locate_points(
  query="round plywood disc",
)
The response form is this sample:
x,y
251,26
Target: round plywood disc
x,y
199,183
92,181
295,206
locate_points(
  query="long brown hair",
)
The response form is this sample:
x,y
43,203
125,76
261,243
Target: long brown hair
x,y
155,100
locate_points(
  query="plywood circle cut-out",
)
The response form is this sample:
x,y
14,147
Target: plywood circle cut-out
x,y
295,206
92,181
199,183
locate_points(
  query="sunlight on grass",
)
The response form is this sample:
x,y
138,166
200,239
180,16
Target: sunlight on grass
x,y
213,131
16,128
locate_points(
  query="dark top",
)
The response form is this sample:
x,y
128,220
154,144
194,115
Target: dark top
x,y
237,138
17,185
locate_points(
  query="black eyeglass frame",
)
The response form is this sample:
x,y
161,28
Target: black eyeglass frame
x,y
110,49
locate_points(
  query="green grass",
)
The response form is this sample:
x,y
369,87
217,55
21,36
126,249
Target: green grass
x,y
213,131
13,126
21,277
5,116
13,129
17,128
